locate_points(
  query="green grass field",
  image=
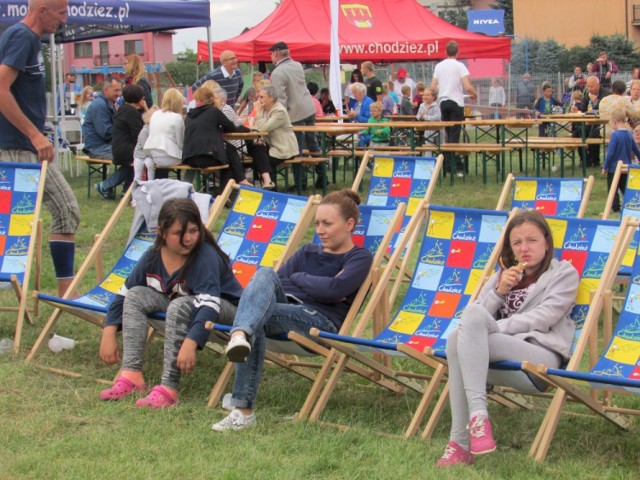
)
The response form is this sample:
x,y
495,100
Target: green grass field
x,y
55,426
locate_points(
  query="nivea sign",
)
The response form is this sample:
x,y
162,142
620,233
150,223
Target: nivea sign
x,y
489,22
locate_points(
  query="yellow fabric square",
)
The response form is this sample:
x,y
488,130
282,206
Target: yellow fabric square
x,y
623,351
525,190
406,322
412,205
440,224
113,283
273,253
383,167
633,181
20,225
558,230
474,278
629,256
248,202
587,285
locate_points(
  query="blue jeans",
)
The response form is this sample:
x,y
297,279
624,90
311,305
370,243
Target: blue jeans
x,y
123,174
264,311
103,151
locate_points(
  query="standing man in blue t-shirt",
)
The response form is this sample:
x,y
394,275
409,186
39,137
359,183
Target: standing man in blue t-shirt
x,y
22,116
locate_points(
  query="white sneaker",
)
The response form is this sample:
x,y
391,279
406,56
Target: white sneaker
x,y
236,420
460,175
238,349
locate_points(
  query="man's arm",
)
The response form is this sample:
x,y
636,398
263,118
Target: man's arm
x,y
466,83
11,111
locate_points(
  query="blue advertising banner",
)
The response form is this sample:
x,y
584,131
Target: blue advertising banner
x,y
488,22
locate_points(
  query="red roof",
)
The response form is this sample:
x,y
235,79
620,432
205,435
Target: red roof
x,y
376,30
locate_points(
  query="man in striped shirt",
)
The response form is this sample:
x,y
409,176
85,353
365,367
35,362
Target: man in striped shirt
x,y
228,76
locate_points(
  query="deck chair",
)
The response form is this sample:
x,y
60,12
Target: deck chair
x,y
93,305
562,197
21,192
396,179
595,248
617,371
375,229
631,201
457,249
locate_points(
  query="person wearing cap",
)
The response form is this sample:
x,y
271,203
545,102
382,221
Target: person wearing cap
x,y
401,80
227,75
287,77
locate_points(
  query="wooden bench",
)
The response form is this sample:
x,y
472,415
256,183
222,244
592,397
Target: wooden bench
x,y
95,166
489,151
307,164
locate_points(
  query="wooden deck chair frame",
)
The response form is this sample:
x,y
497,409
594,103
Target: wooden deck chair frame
x,y
34,256
621,169
307,347
510,183
541,443
94,258
379,305
565,389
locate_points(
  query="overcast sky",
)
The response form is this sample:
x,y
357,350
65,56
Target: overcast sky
x,y
228,19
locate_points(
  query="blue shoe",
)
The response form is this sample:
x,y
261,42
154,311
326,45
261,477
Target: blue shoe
x,y
105,193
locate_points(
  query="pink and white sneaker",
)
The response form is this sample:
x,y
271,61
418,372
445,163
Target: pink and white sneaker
x,y
480,436
454,454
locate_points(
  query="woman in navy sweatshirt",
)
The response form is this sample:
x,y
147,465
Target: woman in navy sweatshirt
x,y
314,288
186,275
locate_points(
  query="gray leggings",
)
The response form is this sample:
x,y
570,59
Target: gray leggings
x,y
470,348
143,301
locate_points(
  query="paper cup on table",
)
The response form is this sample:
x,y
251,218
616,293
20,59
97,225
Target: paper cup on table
x,y
58,343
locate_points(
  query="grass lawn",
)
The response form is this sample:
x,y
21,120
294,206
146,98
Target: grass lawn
x,y
55,426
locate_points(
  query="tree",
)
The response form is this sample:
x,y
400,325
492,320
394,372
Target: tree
x,y
547,57
456,13
507,6
618,49
185,69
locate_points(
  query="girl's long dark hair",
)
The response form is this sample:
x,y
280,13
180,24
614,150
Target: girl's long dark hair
x,y
185,211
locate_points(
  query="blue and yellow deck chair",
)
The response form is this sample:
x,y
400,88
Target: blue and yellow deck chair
x,y
616,371
561,197
21,193
595,248
396,179
631,201
374,231
457,247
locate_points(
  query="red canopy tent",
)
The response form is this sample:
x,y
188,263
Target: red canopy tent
x,y
381,31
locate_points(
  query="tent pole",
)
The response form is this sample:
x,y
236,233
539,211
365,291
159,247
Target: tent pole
x,y
52,54
210,46
509,92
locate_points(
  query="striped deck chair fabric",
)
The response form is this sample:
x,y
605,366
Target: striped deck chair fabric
x,y
562,197
21,191
257,229
594,247
456,248
396,179
98,299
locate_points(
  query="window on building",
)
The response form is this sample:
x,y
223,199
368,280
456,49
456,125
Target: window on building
x,y
83,50
133,46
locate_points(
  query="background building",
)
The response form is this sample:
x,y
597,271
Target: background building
x,y
573,22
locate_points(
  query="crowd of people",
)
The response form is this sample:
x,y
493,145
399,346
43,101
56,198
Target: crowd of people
x,y
521,312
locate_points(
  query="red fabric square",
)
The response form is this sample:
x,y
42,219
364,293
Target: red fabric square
x,y
460,254
244,272
261,230
358,240
420,343
546,207
635,374
577,259
444,305
400,187
5,201
3,244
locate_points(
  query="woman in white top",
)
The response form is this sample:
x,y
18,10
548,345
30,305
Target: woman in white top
x,y
166,133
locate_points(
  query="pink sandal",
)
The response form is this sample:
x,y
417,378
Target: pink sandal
x,y
121,388
159,397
